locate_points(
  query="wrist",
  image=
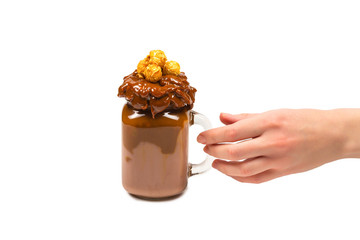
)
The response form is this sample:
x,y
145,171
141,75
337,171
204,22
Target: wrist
x,y
349,131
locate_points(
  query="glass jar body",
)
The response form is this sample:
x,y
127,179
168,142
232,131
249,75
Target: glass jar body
x,y
155,152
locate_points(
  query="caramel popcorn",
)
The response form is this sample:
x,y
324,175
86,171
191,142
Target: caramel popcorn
x,y
172,67
142,66
153,73
155,65
157,57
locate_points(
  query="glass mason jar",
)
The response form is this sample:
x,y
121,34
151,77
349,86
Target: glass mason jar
x,y
155,151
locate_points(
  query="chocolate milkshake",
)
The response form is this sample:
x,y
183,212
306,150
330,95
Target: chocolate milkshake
x,y
155,123
155,152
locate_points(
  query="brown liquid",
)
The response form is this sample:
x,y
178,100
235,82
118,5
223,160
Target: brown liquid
x,y
154,152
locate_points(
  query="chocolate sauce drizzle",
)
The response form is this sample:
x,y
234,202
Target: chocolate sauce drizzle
x,y
170,92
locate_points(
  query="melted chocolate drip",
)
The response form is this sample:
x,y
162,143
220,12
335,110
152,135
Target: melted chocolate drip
x,y
170,92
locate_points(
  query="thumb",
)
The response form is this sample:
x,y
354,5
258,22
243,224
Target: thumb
x,y
227,118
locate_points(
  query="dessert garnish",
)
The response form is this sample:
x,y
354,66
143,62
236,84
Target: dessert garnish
x,y
157,85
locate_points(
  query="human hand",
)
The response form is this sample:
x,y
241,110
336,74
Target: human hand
x,y
280,142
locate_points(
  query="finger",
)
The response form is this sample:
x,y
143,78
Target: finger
x,y
261,177
227,118
243,169
247,128
246,149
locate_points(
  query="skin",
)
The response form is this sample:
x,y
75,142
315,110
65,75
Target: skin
x,y
281,142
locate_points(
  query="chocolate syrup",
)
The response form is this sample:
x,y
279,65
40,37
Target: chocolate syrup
x,y
170,92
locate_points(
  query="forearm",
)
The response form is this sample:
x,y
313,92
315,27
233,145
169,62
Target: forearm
x,y
350,120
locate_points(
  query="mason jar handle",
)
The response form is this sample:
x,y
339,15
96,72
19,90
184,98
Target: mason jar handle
x,y
196,168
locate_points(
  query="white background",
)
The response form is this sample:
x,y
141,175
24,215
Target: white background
x,y
61,63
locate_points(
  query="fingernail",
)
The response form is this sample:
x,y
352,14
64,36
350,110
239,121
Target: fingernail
x,y
201,139
215,164
206,149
